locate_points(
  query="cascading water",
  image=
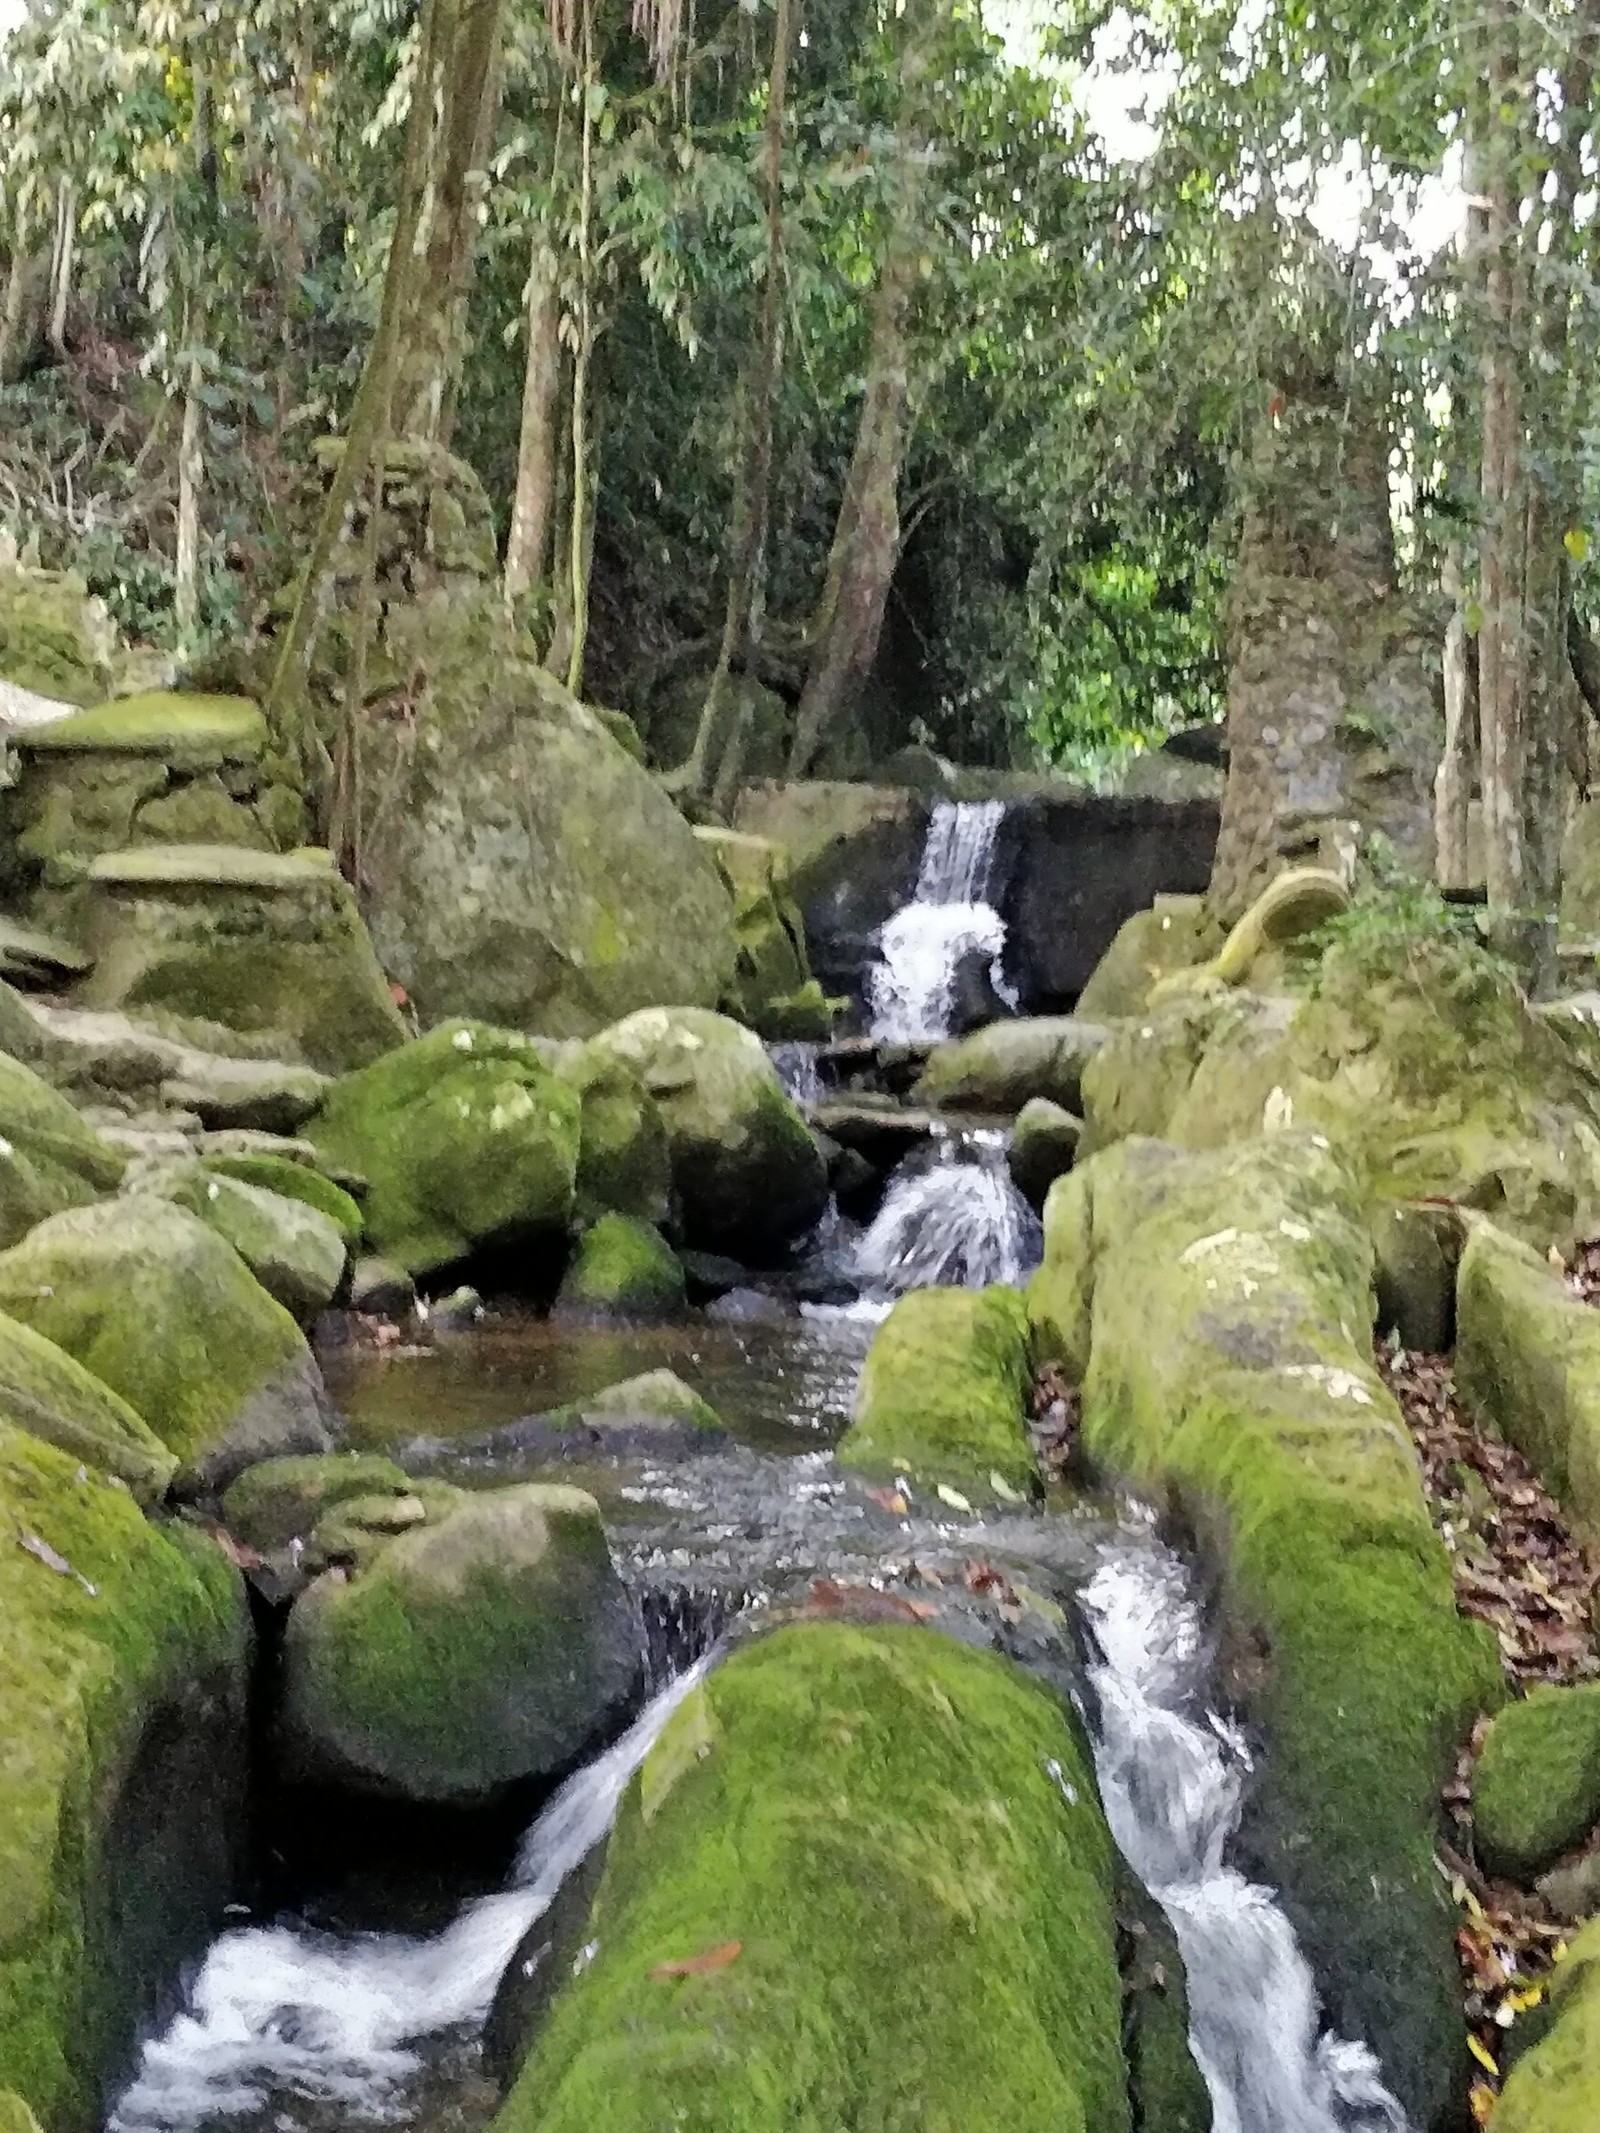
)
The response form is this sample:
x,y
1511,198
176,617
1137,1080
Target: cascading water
x,y
1171,1776
280,2009
910,989
796,1066
958,1222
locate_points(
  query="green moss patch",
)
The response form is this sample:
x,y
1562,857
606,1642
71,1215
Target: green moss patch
x,y
624,1271
1556,2087
278,1500
50,1159
187,732
861,1881
624,1162
294,1181
942,1394
45,1392
657,1399
1536,1788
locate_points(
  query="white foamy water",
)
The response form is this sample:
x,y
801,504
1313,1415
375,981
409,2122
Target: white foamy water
x,y
278,2008
1171,1776
796,1066
910,989
957,1223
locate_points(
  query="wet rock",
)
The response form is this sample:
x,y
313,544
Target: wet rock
x,y
659,1399
46,1393
1174,934
1044,1141
1001,1068
624,1161
467,1139
491,1646
145,1295
624,1273
973,999
49,1159
280,1500
292,1179
772,990
855,1764
129,1057
750,1307
381,1287
455,1313
542,1964
712,1274
294,1250
1536,1785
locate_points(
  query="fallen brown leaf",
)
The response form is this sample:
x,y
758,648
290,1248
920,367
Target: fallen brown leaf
x,y
700,1965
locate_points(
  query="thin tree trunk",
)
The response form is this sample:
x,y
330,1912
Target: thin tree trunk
x,y
12,351
191,472
344,812
1453,785
528,543
581,538
61,263
559,649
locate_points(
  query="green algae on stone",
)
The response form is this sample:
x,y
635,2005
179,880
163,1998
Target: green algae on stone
x,y
293,1180
942,1395
55,638
623,1272
1004,1065
1555,2087
466,1139
1219,1309
156,1305
891,1848
278,1500
121,1728
186,732
655,1399
294,1250
1044,1142
200,811
45,1392
1536,1784
487,1647
624,1162
1174,934
50,1159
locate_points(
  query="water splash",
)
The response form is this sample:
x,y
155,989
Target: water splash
x,y
1171,1777
796,1065
333,2017
957,1223
911,988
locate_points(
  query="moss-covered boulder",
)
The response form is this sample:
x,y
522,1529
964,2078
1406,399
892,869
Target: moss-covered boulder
x,y
256,941
46,1393
1219,1309
1174,934
56,640
481,1648
122,1680
185,732
1536,1787
861,1880
50,1159
466,1139
655,1400
1006,1064
293,1180
1555,2088
296,1252
280,1500
1043,1143
154,1303
1528,1361
623,1273
942,1394
624,1162
772,989
747,1173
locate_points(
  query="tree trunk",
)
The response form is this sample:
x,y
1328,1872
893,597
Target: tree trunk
x,y
14,335
191,472
581,533
1452,788
528,543
61,262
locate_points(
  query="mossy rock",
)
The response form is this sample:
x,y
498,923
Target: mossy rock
x,y
1044,1142
279,1500
200,811
655,1400
747,1173
490,1647
1218,1307
467,1140
122,1723
1174,934
623,1273
862,1880
187,733
296,1252
624,1161
50,1159
256,941
54,638
155,1304
1536,1787
772,990
942,1394
353,1533
1007,1064
43,1391
292,1180
1555,2088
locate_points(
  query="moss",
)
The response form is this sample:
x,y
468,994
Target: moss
x,y
158,1307
144,1624
1228,1302
296,1252
1556,2087
1536,1788
1004,1066
942,1394
186,732
50,1159
624,1162
656,1399
44,1391
199,812
483,1649
901,1835
294,1181
466,1139
623,1270
1173,935
277,1500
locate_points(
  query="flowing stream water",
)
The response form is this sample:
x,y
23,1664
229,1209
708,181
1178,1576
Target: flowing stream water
x,y
911,988
954,1222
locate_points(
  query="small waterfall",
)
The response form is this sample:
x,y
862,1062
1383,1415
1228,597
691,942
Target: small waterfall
x,y
331,2017
796,1065
921,947
957,1223
1171,1776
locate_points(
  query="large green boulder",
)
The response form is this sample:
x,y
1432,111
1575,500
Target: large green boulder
x,y
296,1252
862,1880
1555,2088
772,989
523,867
122,1729
489,1645
153,1302
1006,1064
466,1139
257,941
49,1158
623,1273
1218,1308
624,1162
1528,1362
55,639
745,1168
1174,934
1536,1785
185,732
43,1391
291,1179
280,1500
942,1395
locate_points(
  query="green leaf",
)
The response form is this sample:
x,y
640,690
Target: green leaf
x,y
1576,542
